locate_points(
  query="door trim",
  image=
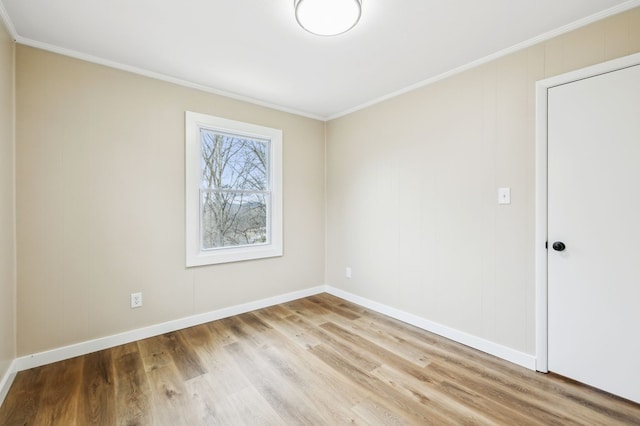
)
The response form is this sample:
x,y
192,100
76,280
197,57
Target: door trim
x,y
541,238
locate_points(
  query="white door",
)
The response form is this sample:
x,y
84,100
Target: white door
x,y
594,210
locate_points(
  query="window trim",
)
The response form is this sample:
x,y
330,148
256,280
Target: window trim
x,y
195,255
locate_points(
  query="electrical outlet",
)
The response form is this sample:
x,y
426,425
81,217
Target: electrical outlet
x,y
347,272
136,300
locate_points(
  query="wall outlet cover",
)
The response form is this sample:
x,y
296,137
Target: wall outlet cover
x,y
136,300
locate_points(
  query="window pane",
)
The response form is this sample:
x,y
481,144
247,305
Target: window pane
x,y
233,219
233,162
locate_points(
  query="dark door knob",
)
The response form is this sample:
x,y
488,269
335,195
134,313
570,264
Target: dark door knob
x,y
559,246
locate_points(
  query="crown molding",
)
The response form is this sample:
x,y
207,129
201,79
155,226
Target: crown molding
x,y
159,76
8,23
623,7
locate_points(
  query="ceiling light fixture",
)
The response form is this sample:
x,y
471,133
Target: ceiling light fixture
x,y
327,17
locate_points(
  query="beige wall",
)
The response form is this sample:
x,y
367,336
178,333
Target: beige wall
x,y
412,189
7,205
100,203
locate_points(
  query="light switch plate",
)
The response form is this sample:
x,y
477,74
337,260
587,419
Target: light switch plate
x,y
504,195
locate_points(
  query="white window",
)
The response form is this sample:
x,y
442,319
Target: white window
x,y
233,190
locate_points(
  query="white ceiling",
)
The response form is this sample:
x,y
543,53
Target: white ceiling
x,y
254,49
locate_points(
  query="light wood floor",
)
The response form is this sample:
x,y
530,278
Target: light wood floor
x,y
315,361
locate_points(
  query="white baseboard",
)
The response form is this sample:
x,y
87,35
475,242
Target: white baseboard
x,y
495,349
83,348
7,380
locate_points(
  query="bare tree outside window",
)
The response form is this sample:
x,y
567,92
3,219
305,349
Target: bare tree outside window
x,y
234,191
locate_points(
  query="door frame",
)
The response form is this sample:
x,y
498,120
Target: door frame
x,y
541,237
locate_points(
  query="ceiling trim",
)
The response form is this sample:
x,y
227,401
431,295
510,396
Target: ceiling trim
x,y
185,83
159,76
520,46
8,23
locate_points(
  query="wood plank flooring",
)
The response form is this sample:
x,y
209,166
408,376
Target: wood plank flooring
x,y
315,361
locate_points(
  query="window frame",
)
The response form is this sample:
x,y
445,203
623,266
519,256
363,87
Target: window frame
x,y
195,254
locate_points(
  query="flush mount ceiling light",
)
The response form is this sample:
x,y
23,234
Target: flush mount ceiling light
x,y
327,17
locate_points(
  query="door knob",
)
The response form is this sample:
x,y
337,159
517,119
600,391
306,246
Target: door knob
x,y
559,246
